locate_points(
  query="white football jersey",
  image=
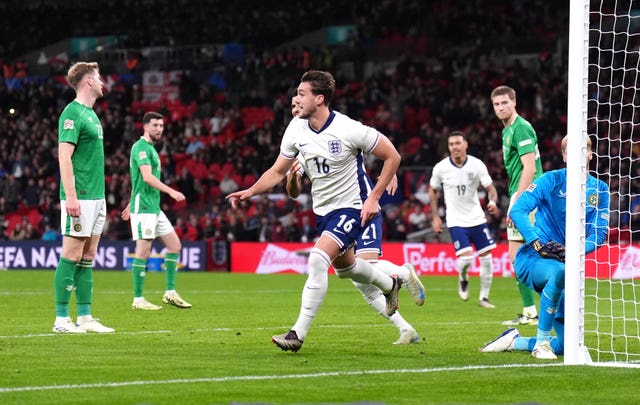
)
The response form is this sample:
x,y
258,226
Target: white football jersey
x,y
333,159
460,188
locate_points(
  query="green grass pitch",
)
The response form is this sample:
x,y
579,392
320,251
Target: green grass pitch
x,y
219,352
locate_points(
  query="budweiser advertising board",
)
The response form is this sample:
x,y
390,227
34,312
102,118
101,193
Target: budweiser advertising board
x,y
430,259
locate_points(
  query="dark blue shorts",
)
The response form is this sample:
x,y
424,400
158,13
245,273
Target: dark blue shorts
x,y
343,226
480,236
370,239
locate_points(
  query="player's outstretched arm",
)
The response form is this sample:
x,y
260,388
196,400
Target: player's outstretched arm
x,y
266,182
153,181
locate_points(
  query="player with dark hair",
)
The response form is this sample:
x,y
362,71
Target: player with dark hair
x,y
540,262
459,175
332,148
148,221
369,247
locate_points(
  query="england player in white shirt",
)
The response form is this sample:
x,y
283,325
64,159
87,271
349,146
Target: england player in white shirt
x,y
332,148
369,247
459,175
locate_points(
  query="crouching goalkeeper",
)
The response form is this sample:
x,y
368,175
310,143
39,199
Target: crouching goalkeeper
x,y
539,262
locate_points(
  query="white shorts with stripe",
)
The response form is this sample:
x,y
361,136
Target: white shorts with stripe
x,y
150,226
90,222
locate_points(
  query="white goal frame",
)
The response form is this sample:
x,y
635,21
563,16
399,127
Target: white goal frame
x,y
575,350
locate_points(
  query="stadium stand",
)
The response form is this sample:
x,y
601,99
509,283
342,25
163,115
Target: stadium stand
x,y
415,70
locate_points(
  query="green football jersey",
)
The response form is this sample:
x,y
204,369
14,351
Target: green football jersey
x,y
519,139
80,126
144,198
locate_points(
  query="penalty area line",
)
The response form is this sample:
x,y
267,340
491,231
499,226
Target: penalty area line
x,y
5,390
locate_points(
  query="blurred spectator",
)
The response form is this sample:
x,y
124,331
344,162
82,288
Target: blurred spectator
x,y
188,231
209,229
307,231
218,121
4,208
49,233
31,193
396,228
194,230
231,228
278,232
11,192
418,219
195,144
264,233
228,184
31,233
292,227
3,228
19,232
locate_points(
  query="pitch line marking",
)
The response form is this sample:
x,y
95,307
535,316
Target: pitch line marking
x,y
228,329
266,377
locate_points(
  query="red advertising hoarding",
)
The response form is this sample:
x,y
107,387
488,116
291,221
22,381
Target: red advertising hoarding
x,y
430,259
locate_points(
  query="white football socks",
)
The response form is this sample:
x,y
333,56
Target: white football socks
x,y
314,291
486,275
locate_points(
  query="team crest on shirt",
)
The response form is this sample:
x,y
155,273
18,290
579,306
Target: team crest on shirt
x,y
335,147
592,199
68,124
77,227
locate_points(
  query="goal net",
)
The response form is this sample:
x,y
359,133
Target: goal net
x,y
603,288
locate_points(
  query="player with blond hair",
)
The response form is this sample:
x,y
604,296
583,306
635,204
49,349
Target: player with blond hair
x,y
82,200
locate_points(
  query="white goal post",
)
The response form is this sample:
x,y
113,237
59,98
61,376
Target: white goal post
x,y
602,306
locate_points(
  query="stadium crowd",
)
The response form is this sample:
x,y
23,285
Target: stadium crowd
x,y
440,64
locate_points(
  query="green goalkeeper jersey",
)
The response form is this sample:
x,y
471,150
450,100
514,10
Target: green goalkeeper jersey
x,y
519,139
144,198
80,126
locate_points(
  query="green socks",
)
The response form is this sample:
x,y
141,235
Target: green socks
x,y
63,284
70,275
527,295
138,269
170,266
83,280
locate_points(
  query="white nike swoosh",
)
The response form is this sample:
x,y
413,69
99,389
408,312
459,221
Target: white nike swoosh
x,y
367,243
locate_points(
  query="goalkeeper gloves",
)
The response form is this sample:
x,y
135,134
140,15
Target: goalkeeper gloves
x,y
550,250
